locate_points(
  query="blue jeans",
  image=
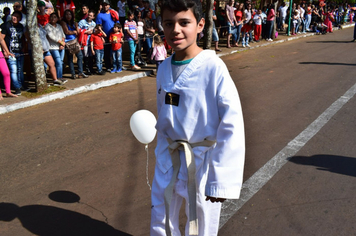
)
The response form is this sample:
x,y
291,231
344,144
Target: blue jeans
x,y
58,56
245,38
16,70
269,29
307,22
99,55
117,59
79,62
148,43
132,45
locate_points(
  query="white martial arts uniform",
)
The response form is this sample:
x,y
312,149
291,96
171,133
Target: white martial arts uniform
x,y
205,106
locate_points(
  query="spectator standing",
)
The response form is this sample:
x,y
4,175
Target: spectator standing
x,y
248,16
328,20
132,38
18,7
13,33
47,57
282,15
264,23
116,39
42,17
257,19
85,11
246,29
71,31
231,21
308,17
240,17
270,19
7,12
159,52
121,8
56,39
141,37
97,47
149,30
302,19
63,5
4,70
86,27
107,18
215,36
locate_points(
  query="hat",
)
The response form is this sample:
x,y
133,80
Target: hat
x,y
106,2
41,4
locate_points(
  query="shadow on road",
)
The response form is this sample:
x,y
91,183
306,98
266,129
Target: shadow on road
x,y
330,42
53,221
335,164
327,63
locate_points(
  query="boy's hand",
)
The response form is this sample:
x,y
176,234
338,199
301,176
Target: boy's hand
x,y
93,52
214,199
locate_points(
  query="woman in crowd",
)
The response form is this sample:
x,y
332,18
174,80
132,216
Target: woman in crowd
x,y
86,27
47,57
141,36
148,27
4,70
231,20
240,17
71,31
56,39
270,19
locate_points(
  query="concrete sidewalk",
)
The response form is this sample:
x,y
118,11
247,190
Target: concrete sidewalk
x,y
95,82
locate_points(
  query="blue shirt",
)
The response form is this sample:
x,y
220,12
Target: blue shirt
x,y
107,22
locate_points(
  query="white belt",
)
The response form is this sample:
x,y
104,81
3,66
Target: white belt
x,y
173,147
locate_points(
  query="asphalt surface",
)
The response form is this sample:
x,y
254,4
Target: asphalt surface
x,y
72,166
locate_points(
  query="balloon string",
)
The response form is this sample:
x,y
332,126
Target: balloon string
x,y
148,182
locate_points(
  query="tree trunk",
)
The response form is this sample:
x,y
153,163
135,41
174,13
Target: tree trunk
x,y
37,50
208,24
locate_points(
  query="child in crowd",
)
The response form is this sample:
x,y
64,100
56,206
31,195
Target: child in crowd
x,y
132,37
97,47
159,52
246,30
257,19
42,17
141,37
116,40
199,112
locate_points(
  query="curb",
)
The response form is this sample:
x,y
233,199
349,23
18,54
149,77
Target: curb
x,y
102,84
82,89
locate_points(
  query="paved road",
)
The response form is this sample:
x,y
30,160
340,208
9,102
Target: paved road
x,y
70,166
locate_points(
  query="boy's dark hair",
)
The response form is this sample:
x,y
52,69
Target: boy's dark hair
x,y
98,26
183,5
130,12
18,13
118,25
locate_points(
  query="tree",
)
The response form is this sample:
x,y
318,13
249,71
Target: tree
x,y
208,24
37,51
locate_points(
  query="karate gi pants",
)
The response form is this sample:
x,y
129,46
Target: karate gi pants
x,y
208,213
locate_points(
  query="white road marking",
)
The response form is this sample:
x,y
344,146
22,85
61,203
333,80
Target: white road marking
x,y
251,186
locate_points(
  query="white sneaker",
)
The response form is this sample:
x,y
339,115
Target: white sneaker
x,y
247,45
243,45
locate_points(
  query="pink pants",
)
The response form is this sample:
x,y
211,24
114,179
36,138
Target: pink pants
x,y
4,70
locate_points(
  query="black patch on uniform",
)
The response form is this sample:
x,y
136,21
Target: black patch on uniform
x,y
172,99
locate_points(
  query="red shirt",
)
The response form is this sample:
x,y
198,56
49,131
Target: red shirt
x,y
42,19
64,6
246,28
118,36
97,41
238,15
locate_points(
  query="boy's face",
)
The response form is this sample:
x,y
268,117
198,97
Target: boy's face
x,y
181,29
116,29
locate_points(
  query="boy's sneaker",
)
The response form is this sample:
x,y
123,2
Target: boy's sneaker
x,y
118,70
18,91
135,67
63,81
57,82
243,45
108,70
113,71
25,89
82,75
248,45
124,68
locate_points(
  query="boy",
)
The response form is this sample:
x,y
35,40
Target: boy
x,y
116,41
199,124
97,47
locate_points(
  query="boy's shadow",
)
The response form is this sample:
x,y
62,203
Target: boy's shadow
x,y
53,221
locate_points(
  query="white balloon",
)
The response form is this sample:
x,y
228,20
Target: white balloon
x,y
142,124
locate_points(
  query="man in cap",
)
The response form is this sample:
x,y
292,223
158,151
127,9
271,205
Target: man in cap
x,y
107,18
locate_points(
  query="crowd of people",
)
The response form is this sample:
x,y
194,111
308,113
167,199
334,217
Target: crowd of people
x,y
96,40
246,23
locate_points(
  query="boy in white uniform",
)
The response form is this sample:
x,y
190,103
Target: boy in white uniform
x,y
201,145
